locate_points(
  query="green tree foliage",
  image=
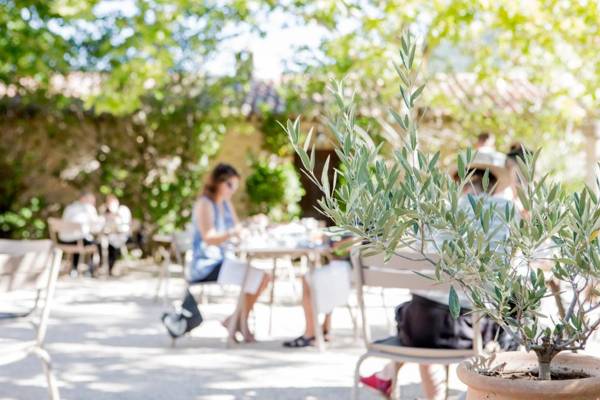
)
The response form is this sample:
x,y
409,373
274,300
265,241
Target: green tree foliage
x,y
147,126
274,189
273,140
154,159
551,43
135,45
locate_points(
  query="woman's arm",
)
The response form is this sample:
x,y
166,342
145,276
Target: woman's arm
x,y
205,221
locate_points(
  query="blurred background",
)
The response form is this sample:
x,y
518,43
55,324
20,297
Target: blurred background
x,y
139,98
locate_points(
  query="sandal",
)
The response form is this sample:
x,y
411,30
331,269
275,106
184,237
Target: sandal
x,y
382,386
300,341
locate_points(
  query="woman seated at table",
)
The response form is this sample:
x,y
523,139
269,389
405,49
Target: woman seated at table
x,y
215,223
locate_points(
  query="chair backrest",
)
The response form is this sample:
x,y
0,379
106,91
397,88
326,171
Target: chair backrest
x,y
57,225
182,242
398,272
405,270
30,263
24,264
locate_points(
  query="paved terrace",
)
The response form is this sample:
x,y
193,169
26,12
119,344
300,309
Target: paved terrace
x,y
107,343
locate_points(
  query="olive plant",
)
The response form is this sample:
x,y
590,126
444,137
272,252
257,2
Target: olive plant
x,y
501,258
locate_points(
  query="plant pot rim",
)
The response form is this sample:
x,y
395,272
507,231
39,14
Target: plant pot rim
x,y
580,386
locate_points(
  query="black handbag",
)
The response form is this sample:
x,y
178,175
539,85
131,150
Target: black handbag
x,y
179,323
190,311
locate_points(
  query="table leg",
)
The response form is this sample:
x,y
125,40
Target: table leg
x,y
272,296
235,319
104,246
163,276
312,265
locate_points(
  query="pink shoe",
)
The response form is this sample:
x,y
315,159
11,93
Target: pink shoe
x,y
384,386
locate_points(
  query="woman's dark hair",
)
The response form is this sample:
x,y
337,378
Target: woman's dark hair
x,y
477,181
221,173
518,150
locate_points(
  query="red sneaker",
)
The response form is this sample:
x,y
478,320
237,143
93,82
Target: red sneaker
x,y
381,385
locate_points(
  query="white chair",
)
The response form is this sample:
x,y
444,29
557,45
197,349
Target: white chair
x,y
180,246
30,264
399,272
57,225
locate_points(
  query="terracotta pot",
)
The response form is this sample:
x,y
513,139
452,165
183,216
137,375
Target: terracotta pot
x,y
495,388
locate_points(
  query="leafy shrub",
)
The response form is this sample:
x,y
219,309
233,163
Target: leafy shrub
x,y
274,189
27,222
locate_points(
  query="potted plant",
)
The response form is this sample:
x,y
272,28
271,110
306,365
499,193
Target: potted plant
x,y
395,198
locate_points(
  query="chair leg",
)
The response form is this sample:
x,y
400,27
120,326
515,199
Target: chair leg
x,y
354,321
447,381
357,375
291,275
163,277
159,284
53,393
396,388
203,296
272,297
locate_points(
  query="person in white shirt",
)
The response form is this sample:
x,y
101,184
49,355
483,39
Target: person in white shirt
x,y
117,224
83,211
485,142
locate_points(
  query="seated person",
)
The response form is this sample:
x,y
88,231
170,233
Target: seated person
x,y
118,224
485,142
215,223
425,321
341,259
83,211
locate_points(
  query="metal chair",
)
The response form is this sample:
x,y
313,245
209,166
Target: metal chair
x,y
399,272
26,264
180,244
57,225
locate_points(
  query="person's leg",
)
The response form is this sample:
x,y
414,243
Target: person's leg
x,y
390,370
309,316
433,381
75,262
113,255
308,337
309,331
91,266
249,301
327,325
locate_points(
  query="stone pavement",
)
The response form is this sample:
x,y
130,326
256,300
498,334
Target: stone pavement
x,y
107,342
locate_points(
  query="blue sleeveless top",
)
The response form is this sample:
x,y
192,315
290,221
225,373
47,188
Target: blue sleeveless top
x,y
205,258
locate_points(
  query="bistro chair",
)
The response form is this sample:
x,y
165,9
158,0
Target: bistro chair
x,y
181,247
31,265
176,245
56,226
399,273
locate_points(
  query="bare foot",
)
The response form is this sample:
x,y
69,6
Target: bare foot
x,y
248,337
